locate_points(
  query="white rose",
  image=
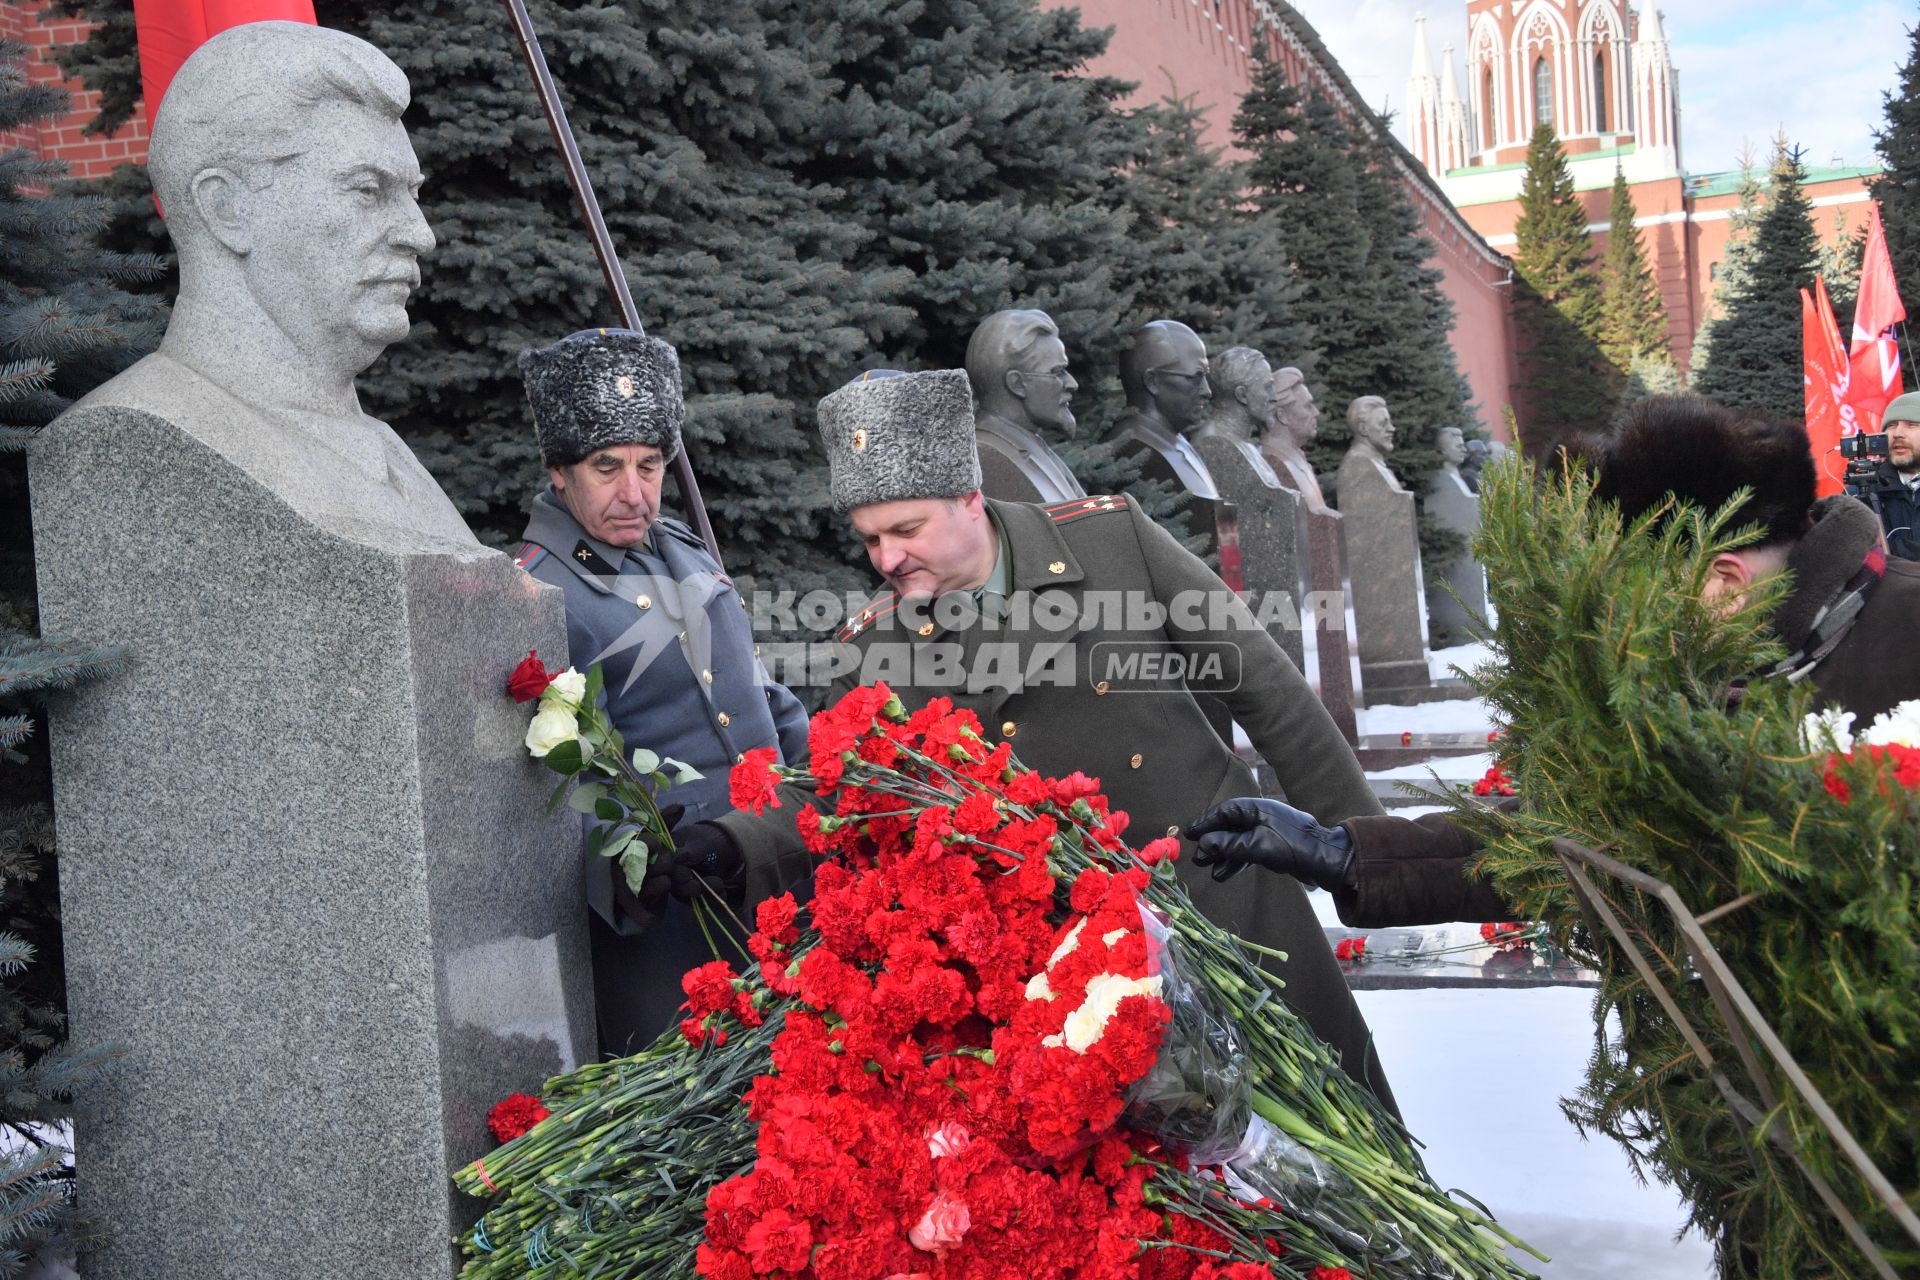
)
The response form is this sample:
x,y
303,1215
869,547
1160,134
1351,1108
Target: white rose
x,y
567,689
1829,730
552,725
1900,726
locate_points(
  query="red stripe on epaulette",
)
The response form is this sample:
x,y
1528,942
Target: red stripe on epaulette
x,y
1061,512
528,554
874,611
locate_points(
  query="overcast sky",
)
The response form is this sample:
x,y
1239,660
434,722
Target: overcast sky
x,y
1748,68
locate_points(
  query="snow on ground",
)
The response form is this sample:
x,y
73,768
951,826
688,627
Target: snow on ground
x,y
1479,1076
1480,1073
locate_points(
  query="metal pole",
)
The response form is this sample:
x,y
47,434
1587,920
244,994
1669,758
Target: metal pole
x,y
597,228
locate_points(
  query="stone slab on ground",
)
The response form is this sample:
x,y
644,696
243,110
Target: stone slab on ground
x,y
1392,965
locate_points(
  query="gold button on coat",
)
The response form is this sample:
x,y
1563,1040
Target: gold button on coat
x,y
707,676
643,602
1136,762
1008,729
724,719
926,628
1173,831
1102,687
741,758
1058,566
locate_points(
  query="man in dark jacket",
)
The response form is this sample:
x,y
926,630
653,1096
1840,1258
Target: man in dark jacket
x,y
1849,626
1895,490
1079,632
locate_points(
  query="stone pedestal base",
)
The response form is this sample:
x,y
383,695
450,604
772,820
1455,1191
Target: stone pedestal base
x,y
310,888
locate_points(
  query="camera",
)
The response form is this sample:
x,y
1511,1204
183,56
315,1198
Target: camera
x,y
1864,452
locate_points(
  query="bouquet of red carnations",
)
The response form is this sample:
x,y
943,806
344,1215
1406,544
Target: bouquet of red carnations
x,y
997,1042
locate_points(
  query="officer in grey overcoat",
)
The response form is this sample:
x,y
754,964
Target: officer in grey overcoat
x,y
648,602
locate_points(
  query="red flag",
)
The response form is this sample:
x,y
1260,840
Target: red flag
x,y
1825,373
170,30
1875,353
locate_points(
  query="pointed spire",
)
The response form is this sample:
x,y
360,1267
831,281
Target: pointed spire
x,y
1652,24
1422,55
1449,87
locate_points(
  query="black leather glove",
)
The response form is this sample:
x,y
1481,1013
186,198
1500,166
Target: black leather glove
x,y
1273,835
645,905
705,861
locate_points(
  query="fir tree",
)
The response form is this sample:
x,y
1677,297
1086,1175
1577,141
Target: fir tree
x,y
1736,262
1567,383
1756,356
65,326
1897,186
1632,323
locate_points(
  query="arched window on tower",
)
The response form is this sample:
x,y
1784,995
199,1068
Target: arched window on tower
x,y
1600,94
1542,92
1486,108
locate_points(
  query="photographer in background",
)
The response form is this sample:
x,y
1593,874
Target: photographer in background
x,y
1891,485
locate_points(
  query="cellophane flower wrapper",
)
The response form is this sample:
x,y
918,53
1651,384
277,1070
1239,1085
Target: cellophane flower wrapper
x,y
1197,1099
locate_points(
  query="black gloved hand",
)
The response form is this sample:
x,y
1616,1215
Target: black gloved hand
x,y
704,861
1273,835
657,884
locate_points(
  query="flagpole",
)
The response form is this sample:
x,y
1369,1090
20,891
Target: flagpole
x,y
597,228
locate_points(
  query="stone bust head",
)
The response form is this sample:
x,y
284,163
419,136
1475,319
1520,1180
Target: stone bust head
x,y
290,192
1164,374
1453,447
1018,367
1296,416
1243,398
1372,426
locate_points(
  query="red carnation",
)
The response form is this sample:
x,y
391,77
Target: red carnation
x,y
529,680
1350,949
778,1241
754,783
1329,1273
514,1114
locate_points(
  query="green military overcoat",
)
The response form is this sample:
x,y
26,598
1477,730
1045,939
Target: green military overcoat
x,y
1110,629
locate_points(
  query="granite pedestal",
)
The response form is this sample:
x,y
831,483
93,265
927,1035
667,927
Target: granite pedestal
x,y
1463,609
1383,559
1333,665
1269,522
308,881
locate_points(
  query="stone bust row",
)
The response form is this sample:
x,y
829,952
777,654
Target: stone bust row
x,y
1176,397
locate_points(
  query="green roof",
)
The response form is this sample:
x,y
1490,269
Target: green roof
x,y
1703,185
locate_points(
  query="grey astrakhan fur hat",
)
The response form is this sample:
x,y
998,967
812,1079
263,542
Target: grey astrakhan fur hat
x,y
603,387
892,436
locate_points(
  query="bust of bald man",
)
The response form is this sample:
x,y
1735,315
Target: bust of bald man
x,y
1164,374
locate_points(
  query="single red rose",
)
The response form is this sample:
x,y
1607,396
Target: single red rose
x,y
514,1114
529,680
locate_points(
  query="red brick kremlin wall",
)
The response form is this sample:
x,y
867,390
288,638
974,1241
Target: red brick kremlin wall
x,y
64,139
1203,48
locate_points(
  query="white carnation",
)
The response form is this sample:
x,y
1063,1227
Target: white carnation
x,y
566,689
1898,727
1829,730
552,725
1038,989
1069,944
1085,1025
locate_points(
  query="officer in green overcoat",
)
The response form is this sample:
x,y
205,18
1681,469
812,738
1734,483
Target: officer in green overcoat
x,y
1080,632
